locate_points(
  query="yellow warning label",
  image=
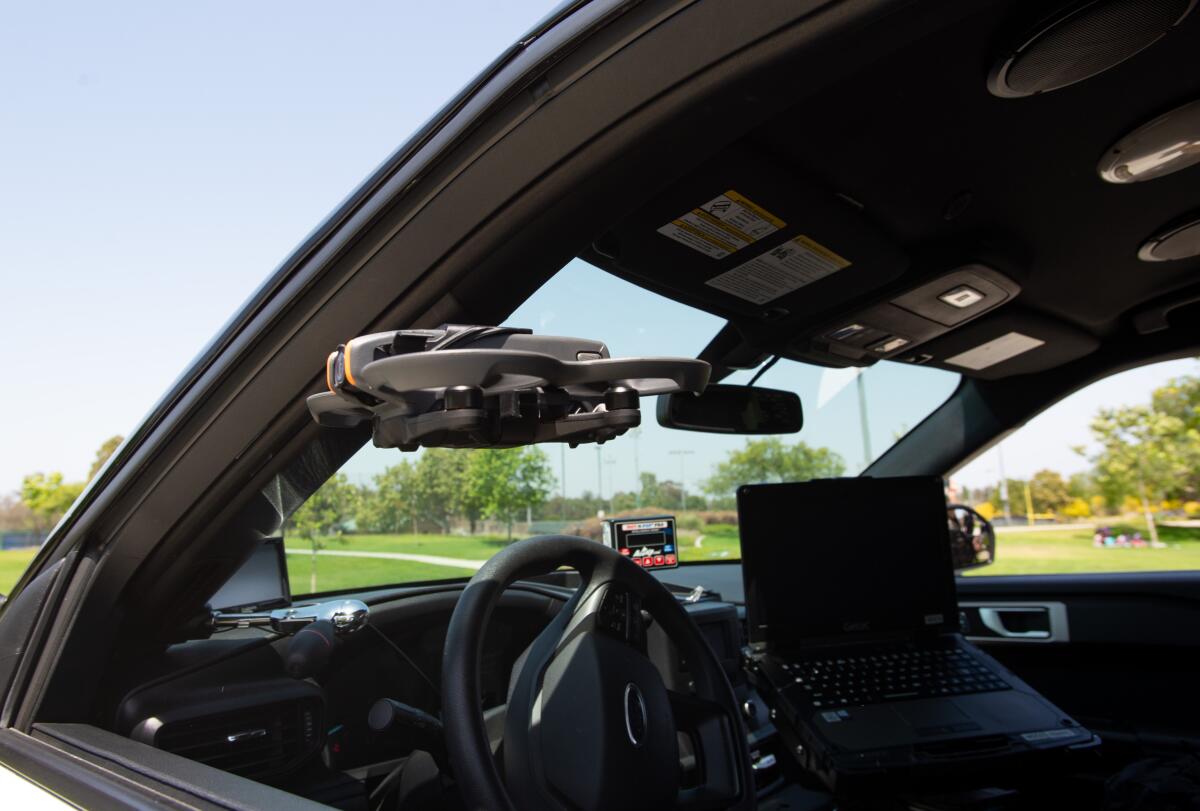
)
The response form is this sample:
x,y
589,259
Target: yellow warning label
x,y
781,270
726,223
761,213
821,250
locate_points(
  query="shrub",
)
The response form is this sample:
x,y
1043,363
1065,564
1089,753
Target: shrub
x,y
986,510
592,528
1077,508
589,528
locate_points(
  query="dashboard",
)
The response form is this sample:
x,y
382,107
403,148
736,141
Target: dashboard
x,y
227,701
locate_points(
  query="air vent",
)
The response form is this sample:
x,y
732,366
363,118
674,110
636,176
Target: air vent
x,y
256,742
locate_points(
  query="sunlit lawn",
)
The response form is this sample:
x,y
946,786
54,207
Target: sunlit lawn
x,y
463,547
12,563
334,573
1069,551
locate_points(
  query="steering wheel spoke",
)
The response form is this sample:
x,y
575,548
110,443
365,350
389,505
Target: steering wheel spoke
x,y
709,726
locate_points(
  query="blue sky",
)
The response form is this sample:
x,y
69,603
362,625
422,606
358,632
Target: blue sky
x,y
160,159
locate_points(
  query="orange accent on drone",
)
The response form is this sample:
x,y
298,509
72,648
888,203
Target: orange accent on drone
x,y
349,375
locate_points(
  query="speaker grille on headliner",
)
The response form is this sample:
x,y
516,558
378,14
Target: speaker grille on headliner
x,y
1084,41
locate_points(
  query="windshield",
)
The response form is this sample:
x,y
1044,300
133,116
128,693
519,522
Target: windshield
x,y
390,517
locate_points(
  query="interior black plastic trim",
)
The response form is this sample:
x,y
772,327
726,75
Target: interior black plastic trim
x,y
214,786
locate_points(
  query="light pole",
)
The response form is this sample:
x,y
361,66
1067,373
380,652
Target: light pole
x,y
562,447
1003,485
682,486
637,470
599,475
864,426
612,488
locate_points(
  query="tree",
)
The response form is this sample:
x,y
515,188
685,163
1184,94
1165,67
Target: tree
x,y
1077,508
1145,454
14,513
1081,485
1179,398
323,515
1049,491
48,497
506,481
392,505
770,460
1015,488
438,488
106,449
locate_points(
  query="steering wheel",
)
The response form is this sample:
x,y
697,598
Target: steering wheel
x,y
590,723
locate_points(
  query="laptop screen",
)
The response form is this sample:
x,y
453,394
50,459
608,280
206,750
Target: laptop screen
x,y
840,557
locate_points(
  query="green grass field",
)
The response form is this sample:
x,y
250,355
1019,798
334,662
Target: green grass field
x,y
335,574
466,547
12,563
1070,551
1047,551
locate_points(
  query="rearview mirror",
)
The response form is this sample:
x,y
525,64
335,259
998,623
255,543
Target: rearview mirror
x,y
722,409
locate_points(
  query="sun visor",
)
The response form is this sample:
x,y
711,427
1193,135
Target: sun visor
x,y
747,238
1010,342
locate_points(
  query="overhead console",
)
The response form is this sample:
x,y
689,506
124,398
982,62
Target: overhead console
x,y
898,327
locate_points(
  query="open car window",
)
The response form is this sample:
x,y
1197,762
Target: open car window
x,y
1103,481
390,517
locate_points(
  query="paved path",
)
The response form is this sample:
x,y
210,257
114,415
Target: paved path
x,y
1016,528
436,560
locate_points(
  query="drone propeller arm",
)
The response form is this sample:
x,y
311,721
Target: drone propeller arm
x,y
499,370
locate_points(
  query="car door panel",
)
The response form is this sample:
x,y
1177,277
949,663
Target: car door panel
x,y
1122,661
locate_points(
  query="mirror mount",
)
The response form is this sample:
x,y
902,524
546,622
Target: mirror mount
x,y
728,409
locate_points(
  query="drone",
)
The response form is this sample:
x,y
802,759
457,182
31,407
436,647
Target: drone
x,y
462,386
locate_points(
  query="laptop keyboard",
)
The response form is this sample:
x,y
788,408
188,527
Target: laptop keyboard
x,y
899,675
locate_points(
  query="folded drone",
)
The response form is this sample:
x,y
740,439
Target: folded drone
x,y
491,387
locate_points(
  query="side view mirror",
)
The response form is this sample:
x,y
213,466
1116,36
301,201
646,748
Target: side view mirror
x,y
725,409
972,538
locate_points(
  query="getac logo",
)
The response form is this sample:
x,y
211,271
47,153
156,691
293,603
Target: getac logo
x,y
859,625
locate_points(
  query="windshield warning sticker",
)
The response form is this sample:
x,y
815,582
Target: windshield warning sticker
x,y
780,270
723,225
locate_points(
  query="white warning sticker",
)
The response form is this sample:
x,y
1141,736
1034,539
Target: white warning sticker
x,y
781,270
999,349
724,224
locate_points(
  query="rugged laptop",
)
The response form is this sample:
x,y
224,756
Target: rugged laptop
x,y
853,624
